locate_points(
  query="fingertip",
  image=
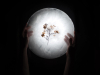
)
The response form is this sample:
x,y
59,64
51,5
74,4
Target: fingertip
x,y
30,35
68,34
66,37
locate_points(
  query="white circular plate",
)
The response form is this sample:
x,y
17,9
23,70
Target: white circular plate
x,y
49,26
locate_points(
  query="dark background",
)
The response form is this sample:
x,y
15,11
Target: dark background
x,y
82,14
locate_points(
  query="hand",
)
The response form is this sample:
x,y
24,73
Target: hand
x,y
26,35
70,42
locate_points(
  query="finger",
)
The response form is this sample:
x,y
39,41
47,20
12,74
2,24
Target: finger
x,y
66,37
30,32
29,35
67,40
28,27
71,37
25,26
70,40
24,30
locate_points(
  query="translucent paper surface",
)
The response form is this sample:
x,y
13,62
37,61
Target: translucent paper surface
x,y
49,26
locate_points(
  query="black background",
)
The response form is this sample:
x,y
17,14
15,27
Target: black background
x,y
82,14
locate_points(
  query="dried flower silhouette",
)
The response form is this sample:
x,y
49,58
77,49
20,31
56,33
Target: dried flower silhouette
x,y
42,35
56,31
43,32
48,30
45,26
52,27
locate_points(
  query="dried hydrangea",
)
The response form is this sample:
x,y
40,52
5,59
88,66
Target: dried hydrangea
x,y
45,26
56,31
48,31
